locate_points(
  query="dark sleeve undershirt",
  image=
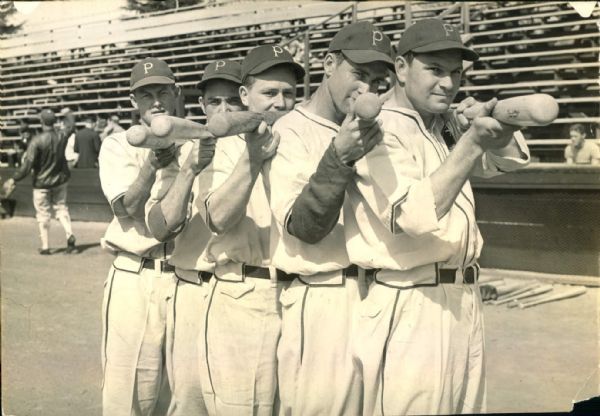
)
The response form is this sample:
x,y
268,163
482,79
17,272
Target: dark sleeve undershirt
x,y
317,209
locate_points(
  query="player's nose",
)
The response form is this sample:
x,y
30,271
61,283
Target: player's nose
x,y
278,101
446,83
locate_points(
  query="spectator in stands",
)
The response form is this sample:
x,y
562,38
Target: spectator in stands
x,y
581,151
45,158
100,124
296,49
70,154
20,146
112,126
87,144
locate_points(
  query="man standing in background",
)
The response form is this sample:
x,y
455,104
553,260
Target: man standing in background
x,y
87,145
45,158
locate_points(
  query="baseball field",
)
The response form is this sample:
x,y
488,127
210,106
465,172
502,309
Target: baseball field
x,y
538,358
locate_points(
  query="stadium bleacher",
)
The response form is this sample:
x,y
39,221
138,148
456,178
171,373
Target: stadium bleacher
x,y
525,47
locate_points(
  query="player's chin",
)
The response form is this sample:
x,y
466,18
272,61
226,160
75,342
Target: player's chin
x,y
438,106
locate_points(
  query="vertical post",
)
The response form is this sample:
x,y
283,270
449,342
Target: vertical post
x,y
354,7
307,65
407,15
176,4
465,17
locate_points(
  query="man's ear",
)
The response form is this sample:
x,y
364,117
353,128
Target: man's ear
x,y
133,101
201,102
401,66
329,64
244,93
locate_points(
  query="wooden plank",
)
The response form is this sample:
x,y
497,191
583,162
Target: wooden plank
x,y
569,279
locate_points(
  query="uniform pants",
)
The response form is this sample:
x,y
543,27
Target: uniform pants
x,y
316,373
150,326
238,359
421,350
185,319
49,202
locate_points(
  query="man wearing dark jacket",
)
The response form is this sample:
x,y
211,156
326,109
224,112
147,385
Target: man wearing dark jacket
x,y
87,144
45,158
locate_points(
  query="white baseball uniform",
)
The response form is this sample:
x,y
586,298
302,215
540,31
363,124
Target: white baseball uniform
x,y
419,342
186,307
316,374
134,310
242,322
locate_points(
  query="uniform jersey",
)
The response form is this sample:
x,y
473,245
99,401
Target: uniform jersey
x,y
120,164
190,242
304,139
248,240
391,220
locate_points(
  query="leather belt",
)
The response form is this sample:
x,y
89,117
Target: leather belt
x,y
352,271
264,273
470,274
164,266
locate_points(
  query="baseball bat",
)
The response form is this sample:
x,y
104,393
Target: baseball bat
x,y
141,136
536,290
178,128
509,288
527,110
367,106
509,296
559,296
533,293
239,122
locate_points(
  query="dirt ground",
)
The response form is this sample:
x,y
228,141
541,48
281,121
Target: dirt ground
x,y
538,358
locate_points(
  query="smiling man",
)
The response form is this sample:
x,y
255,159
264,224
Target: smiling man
x,y
140,281
242,321
172,213
321,140
411,226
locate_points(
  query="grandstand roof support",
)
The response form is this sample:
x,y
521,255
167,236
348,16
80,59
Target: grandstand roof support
x,y
465,17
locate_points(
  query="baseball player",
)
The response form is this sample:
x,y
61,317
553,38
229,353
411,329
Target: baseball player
x,y
45,158
242,320
320,142
410,224
172,207
140,280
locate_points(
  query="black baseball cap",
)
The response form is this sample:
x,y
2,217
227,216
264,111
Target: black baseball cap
x,y
264,57
150,71
47,117
363,43
431,35
222,69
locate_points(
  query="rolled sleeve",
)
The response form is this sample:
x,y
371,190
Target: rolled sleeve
x,y
290,171
119,168
155,219
493,164
415,213
391,181
227,153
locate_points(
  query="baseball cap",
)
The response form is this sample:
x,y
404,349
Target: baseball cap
x,y
264,57
362,43
47,117
222,69
150,71
430,35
